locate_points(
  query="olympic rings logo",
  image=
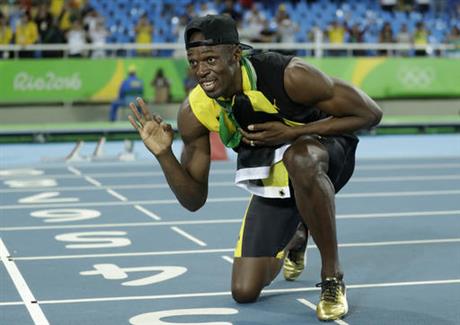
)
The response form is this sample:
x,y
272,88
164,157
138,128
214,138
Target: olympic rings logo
x,y
416,76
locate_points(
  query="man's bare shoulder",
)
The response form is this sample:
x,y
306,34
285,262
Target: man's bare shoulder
x,y
189,126
304,83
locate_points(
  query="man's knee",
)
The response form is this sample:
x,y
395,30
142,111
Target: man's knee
x,y
245,293
306,156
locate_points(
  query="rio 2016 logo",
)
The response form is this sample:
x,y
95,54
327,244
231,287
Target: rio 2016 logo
x,y
23,81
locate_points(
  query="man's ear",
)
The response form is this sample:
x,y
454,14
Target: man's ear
x,y
237,53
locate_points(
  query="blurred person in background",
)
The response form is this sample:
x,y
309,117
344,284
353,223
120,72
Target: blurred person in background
x,y
144,31
76,40
454,39
420,38
189,81
229,9
53,35
386,36
423,6
98,37
269,33
206,10
178,32
130,88
336,35
26,34
43,19
91,20
254,22
388,5
356,35
286,28
6,35
403,37
161,88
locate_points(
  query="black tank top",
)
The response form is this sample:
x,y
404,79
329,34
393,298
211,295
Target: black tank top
x,y
270,68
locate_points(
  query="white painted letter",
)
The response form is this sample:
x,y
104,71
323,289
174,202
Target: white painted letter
x,y
105,242
47,197
154,318
113,272
21,172
65,215
42,182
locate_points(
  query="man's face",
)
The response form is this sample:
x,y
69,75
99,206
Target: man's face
x,y
216,68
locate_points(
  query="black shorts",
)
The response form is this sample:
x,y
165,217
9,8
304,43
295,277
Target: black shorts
x,y
269,224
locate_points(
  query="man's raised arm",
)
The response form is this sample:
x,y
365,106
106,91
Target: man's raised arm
x,y
188,179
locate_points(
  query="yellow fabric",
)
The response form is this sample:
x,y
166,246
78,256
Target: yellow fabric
x,y
65,22
56,7
144,35
239,244
6,35
278,176
420,37
27,34
336,35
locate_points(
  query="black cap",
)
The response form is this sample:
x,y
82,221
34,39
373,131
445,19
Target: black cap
x,y
217,29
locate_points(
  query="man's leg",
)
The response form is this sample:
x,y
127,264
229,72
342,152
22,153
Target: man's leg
x,y
251,274
307,162
296,257
114,109
267,227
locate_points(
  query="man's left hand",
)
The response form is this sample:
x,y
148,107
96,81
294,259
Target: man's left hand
x,y
267,134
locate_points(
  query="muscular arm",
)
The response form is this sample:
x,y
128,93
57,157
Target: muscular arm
x,y
188,179
350,108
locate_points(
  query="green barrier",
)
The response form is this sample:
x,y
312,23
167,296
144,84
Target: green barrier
x,y
71,80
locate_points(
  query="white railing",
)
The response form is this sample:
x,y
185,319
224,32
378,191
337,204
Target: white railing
x,y
318,49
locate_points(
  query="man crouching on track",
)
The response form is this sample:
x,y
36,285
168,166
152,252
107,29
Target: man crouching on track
x,y
292,127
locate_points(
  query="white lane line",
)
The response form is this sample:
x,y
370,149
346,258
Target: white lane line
x,y
26,295
117,195
232,170
227,258
116,187
230,250
148,163
313,306
73,170
117,203
266,291
229,199
422,178
228,221
402,193
92,181
128,224
399,242
188,236
357,179
408,166
147,212
398,214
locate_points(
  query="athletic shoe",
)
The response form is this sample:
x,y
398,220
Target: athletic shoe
x,y
333,301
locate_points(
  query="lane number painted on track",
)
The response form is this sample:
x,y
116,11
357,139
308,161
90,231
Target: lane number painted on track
x,y
114,272
155,318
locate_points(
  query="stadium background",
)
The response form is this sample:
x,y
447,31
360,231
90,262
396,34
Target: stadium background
x,y
67,87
